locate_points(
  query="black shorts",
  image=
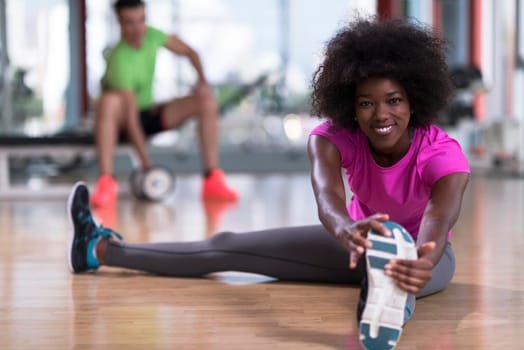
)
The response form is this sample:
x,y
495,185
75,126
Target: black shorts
x,y
151,120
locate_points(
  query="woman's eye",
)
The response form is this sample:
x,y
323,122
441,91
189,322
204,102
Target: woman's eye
x,y
395,101
364,104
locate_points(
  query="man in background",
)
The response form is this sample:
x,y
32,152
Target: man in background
x,y
126,105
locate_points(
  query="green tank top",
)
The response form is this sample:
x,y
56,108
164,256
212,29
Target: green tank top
x,y
134,69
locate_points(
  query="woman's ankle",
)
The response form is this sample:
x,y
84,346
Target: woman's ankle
x,y
101,250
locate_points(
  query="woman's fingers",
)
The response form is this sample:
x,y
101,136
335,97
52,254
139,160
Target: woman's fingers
x,y
355,239
374,222
410,275
426,248
355,256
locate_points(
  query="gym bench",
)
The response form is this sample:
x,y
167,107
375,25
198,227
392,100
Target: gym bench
x,y
68,144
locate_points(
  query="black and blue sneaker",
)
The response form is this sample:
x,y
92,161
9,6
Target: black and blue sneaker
x,y
383,310
85,234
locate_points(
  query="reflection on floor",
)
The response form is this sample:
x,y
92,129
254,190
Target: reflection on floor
x,y
43,306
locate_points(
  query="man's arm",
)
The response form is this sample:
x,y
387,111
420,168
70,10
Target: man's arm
x,y
179,47
134,130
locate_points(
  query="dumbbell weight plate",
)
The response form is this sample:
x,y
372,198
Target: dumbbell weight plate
x,y
135,181
157,183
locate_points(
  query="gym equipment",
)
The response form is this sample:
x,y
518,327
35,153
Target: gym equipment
x,y
154,184
468,83
72,144
62,144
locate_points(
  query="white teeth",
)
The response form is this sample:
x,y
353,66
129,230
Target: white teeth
x,y
384,130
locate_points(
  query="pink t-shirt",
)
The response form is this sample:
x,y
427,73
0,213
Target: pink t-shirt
x,y
401,190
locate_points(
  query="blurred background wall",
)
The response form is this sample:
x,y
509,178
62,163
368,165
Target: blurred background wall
x,y
260,56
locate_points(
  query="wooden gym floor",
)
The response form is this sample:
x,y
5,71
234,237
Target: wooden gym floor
x,y
43,306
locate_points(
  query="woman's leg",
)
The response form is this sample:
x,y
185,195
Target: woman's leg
x,y
308,254
442,274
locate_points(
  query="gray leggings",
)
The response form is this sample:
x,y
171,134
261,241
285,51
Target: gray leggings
x,y
306,254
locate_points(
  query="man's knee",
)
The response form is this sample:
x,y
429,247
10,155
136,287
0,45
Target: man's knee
x,y
110,104
206,102
111,97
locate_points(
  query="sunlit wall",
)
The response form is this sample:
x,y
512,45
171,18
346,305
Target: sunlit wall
x,y
38,51
238,40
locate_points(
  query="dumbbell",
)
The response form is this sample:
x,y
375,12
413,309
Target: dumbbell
x,y
153,184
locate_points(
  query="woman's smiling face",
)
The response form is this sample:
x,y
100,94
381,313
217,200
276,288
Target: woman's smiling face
x,y
383,114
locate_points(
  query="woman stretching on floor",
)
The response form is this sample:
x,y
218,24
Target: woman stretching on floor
x,y
380,86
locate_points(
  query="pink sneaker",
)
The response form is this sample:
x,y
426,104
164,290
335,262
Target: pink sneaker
x,y
215,210
106,191
215,187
